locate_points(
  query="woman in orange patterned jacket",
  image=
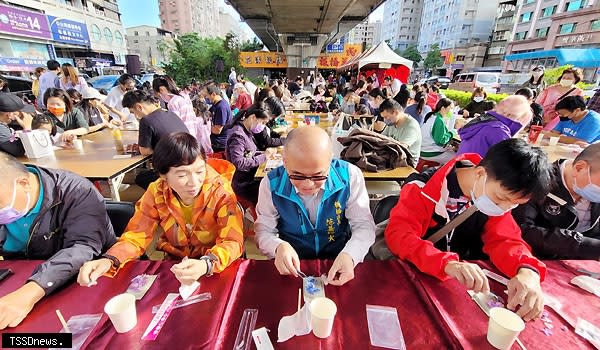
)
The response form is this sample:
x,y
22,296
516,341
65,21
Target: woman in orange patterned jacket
x,y
195,207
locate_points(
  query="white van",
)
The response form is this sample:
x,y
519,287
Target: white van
x,y
490,82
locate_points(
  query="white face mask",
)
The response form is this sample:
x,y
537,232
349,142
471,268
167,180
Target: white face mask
x,y
478,99
567,82
485,204
537,74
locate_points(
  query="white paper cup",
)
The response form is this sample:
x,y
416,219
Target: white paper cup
x,y
504,327
554,140
78,144
322,314
121,311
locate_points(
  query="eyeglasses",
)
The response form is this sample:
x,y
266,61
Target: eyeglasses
x,y
318,178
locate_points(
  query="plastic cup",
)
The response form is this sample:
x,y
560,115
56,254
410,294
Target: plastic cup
x,y
504,328
121,311
554,140
322,314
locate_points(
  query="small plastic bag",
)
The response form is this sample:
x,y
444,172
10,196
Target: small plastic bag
x,y
384,327
81,326
588,283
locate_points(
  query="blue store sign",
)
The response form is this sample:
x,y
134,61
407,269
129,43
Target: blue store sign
x,y
68,31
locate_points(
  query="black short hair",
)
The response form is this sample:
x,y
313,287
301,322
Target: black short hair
x,y
519,167
125,78
43,119
177,149
275,106
167,82
571,103
527,92
376,92
137,96
52,65
390,105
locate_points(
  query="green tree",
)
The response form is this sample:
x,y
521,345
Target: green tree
x,y
251,46
434,58
412,53
192,57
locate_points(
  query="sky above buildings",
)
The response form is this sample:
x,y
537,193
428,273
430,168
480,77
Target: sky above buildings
x,y
132,14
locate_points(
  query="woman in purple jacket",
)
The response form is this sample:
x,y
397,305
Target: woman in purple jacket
x,y
242,151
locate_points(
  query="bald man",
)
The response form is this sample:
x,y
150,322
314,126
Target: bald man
x,y
566,224
314,207
503,122
52,215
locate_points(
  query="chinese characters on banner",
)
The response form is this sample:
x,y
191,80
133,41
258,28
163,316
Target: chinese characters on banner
x,y
23,22
69,31
263,59
335,60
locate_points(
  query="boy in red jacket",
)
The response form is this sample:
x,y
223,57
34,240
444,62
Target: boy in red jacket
x,y
512,173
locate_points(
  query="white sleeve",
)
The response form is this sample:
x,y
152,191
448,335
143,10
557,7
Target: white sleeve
x,y
265,227
359,217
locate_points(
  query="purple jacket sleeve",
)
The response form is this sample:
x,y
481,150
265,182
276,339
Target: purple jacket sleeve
x,y
237,149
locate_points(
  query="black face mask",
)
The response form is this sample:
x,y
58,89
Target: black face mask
x,y
564,119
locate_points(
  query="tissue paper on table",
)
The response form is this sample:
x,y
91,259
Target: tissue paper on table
x,y
186,290
294,325
588,283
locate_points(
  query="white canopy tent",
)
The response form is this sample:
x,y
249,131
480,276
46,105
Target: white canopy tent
x,y
380,56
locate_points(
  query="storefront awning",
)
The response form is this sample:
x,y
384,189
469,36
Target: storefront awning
x,y
581,58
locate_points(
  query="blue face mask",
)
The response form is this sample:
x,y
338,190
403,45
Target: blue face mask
x,y
9,214
591,191
486,205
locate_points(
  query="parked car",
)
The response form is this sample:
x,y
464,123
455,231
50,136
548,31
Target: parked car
x,y
20,86
108,81
490,82
444,81
147,77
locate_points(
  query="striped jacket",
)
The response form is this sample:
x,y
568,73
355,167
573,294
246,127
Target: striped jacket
x,y
217,221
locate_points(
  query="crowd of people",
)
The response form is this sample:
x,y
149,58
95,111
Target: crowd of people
x,y
207,144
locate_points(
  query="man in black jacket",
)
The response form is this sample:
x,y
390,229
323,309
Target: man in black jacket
x,y
51,215
566,225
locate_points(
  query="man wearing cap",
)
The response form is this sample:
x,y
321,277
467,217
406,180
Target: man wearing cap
x,y
12,108
52,215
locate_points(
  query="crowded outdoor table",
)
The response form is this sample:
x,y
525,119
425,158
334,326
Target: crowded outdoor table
x,y
350,216
97,160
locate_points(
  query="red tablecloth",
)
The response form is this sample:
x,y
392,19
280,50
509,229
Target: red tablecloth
x,y
387,283
433,314
191,327
468,323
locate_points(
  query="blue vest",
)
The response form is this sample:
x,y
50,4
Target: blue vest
x,y
327,238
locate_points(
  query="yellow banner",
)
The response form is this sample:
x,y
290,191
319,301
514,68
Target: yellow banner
x,y
335,60
263,59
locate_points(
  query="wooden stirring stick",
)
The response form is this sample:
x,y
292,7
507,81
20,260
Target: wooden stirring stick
x,y
62,320
299,298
